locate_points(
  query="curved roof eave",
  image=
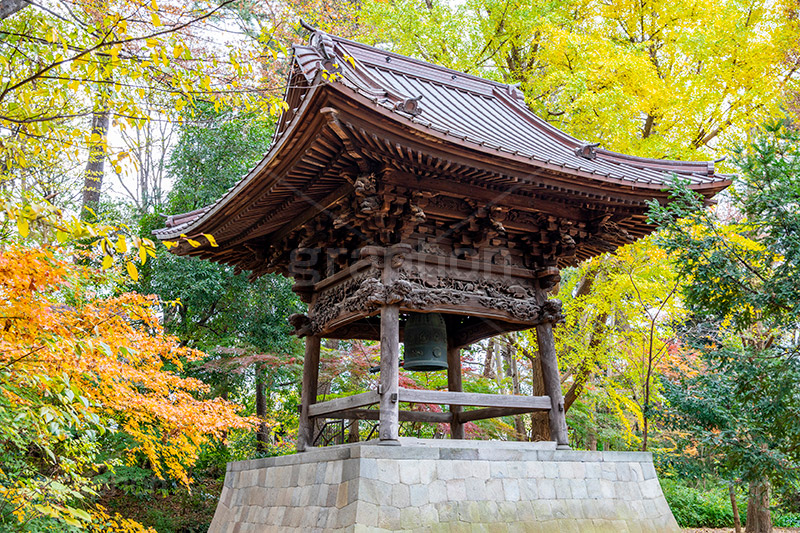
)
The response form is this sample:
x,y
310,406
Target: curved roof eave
x,y
711,187
206,213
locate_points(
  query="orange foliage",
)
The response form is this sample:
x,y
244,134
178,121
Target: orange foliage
x,y
113,351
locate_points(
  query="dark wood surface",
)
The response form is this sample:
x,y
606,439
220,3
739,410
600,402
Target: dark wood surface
x,y
305,432
342,404
474,399
454,384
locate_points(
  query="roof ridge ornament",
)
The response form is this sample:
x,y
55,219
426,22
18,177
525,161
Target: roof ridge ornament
x,y
409,105
319,40
306,26
515,91
587,150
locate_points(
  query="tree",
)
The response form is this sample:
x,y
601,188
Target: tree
x,y
737,410
112,61
79,368
742,268
242,323
620,312
652,78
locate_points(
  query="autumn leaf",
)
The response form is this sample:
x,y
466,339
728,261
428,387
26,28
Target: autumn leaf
x,y
132,272
211,240
122,245
23,226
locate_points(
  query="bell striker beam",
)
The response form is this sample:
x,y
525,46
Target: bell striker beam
x,y
305,433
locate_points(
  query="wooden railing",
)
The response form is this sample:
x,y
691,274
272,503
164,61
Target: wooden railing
x,y
493,405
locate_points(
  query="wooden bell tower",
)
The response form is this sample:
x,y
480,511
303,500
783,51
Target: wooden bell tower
x,y
394,187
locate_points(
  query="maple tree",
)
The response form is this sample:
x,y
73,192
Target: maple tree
x,y
78,365
653,78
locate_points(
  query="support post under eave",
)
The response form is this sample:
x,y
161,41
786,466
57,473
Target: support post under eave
x,y
390,374
454,385
308,394
390,349
552,379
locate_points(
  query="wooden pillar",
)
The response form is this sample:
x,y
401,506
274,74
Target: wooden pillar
x,y
551,377
454,384
552,384
393,258
308,394
390,374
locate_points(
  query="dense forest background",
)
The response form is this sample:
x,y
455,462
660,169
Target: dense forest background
x,y
129,377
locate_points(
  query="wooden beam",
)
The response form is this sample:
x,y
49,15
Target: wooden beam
x,y
491,412
315,209
474,399
390,372
390,351
404,416
308,394
511,197
343,404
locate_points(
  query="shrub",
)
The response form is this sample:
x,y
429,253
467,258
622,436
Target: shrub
x,y
780,519
697,508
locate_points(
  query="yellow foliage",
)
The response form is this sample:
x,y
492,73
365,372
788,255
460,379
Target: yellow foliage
x,y
654,78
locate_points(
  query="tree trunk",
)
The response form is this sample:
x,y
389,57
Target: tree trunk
x,y
488,363
512,371
540,420
262,434
737,523
354,434
591,440
95,166
758,516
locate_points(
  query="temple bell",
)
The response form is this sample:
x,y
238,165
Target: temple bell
x,y
425,343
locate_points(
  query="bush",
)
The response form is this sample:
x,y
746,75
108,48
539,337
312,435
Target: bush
x,y
696,508
780,519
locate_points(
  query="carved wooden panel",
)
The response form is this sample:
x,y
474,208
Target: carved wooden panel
x,y
427,283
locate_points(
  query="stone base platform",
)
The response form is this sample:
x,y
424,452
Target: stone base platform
x,y
445,485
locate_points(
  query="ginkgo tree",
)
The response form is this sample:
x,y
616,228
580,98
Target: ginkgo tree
x,y
654,78
621,312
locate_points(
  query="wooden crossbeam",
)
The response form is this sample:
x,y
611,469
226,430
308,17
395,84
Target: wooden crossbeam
x,y
474,399
491,412
343,404
405,416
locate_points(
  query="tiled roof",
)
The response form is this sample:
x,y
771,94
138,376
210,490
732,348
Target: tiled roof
x,y
477,113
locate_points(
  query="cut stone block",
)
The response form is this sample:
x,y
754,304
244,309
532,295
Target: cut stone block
x,y
445,485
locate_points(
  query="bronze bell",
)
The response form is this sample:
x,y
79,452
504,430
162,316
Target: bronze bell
x,y
425,342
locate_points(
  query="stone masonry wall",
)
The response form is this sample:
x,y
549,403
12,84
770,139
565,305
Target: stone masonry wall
x,y
445,485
